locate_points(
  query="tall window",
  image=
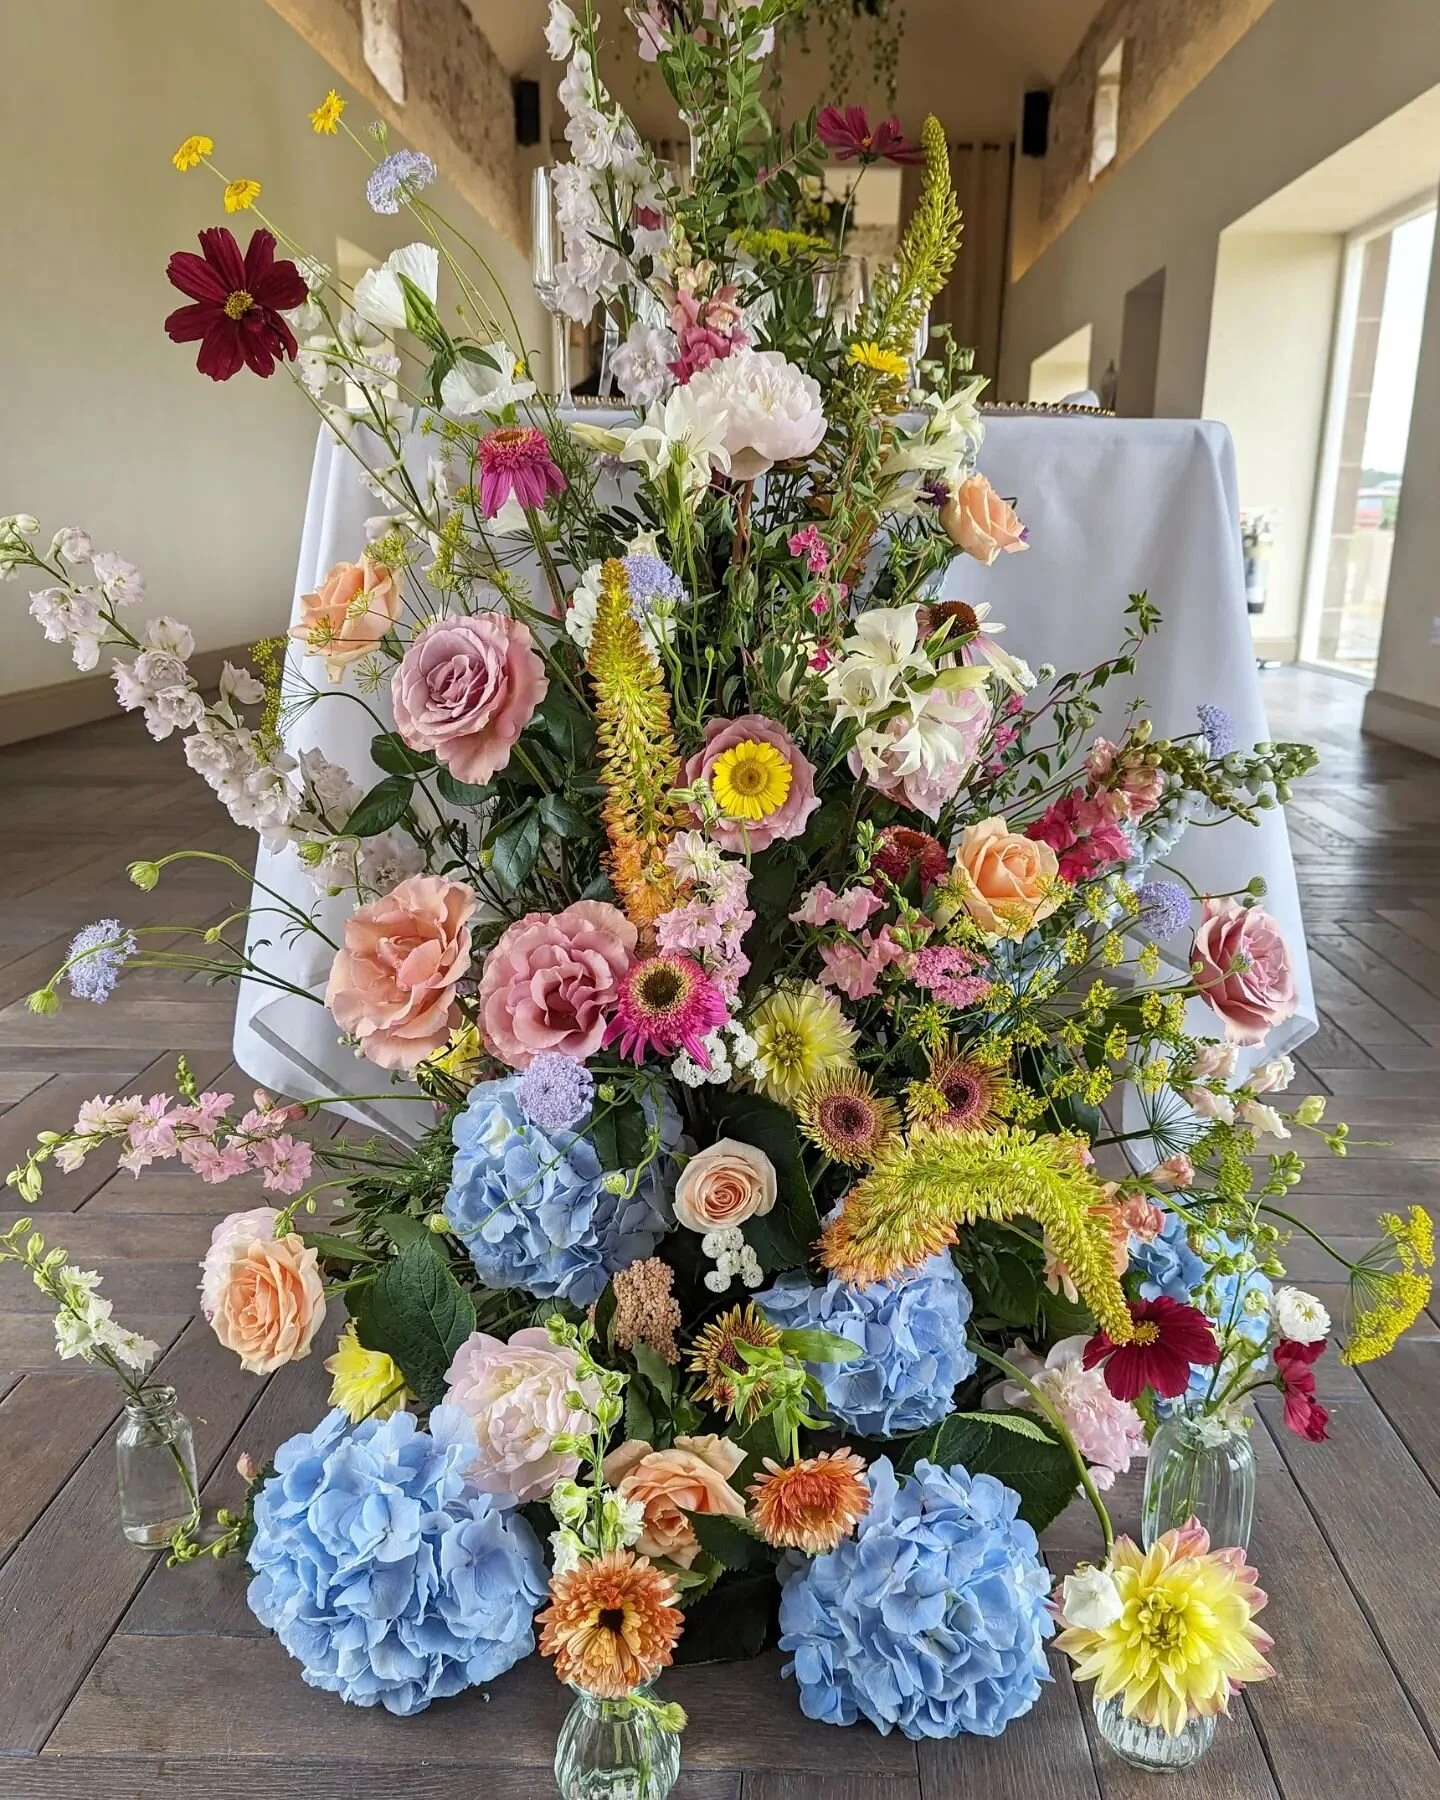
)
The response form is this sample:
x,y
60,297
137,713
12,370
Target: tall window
x,y
1105,122
1377,351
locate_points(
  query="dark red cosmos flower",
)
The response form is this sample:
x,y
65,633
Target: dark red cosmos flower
x,y
237,304
1304,1415
850,135
1169,1338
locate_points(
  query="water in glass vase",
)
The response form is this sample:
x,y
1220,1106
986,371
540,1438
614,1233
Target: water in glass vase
x,y
1201,1469
1147,1746
155,1463
615,1750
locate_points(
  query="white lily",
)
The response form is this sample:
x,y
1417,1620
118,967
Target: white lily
x,y
379,297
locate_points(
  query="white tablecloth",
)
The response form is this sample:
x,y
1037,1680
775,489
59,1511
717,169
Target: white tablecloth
x,y
1113,506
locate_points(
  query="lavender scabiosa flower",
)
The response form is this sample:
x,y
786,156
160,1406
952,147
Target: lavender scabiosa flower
x,y
398,179
1164,908
556,1092
97,955
1218,727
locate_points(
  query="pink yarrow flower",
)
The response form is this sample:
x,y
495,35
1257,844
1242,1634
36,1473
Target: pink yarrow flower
x,y
515,461
947,971
666,1004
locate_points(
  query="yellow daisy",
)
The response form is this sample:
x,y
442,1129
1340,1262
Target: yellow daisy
x,y
367,1385
325,120
801,1035
884,362
240,196
751,780
192,153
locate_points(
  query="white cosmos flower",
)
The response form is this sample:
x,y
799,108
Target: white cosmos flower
x,y
379,298
1299,1316
876,662
771,410
472,387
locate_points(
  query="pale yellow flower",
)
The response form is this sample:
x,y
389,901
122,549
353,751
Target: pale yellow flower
x,y
368,1384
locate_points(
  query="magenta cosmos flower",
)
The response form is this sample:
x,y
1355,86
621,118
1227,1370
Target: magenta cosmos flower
x,y
516,461
666,1004
237,304
849,136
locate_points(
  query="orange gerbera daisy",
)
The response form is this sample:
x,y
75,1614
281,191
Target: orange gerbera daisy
x,y
810,1505
611,1624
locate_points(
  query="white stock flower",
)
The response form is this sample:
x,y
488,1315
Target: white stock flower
x,y
472,386
1217,1060
876,663
561,29
388,859
641,364
1263,1119
330,794
239,687
379,298
1273,1077
1210,1105
158,682
71,618
1299,1316
584,604
73,544
1090,1598
770,410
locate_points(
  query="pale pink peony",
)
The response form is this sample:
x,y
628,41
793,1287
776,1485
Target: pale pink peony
x,y
980,523
1260,992
262,1295
771,410
392,985
356,606
466,688
1108,1433
692,1476
515,1394
788,819
552,980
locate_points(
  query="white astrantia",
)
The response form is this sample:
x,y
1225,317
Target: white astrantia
x,y
379,298
1299,1316
771,410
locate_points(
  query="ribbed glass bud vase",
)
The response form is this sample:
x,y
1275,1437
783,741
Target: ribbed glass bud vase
x,y
1147,1746
615,1750
1200,1469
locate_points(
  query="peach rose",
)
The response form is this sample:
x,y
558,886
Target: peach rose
x,y
980,523
1004,880
356,606
692,1476
392,985
261,1294
1244,969
724,1185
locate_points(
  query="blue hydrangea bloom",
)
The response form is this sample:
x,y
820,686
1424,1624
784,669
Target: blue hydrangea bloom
x,y
532,1207
932,1617
912,1333
1169,1266
386,1577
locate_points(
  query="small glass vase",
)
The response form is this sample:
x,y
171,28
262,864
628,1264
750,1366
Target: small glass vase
x,y
155,1462
1147,1746
1201,1469
615,1750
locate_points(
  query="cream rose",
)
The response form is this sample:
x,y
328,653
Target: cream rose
x,y
1005,881
692,1476
724,1186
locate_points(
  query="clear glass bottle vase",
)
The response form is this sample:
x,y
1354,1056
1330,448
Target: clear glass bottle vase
x,y
615,1750
1147,1746
155,1464
1201,1469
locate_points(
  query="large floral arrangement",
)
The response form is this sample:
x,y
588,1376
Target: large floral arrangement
x,y
761,944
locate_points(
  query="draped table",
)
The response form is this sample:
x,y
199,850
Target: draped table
x,y
1113,506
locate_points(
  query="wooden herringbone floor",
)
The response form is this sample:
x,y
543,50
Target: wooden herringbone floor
x,y
120,1679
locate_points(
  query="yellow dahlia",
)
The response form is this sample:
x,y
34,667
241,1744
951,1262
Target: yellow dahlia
x,y
1173,1631
810,1505
801,1035
367,1384
611,1624
750,780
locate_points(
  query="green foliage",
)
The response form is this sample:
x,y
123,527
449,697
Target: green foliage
x,y
1026,1456
418,1313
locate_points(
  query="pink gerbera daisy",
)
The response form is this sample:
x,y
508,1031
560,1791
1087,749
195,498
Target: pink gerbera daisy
x,y
516,460
666,1004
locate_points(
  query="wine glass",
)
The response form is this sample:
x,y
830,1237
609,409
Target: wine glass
x,y
546,253
919,347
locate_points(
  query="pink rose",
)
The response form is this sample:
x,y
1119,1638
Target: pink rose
x,y
262,1295
1260,991
551,980
980,523
692,1476
392,985
515,1394
788,819
466,688
724,1186
358,603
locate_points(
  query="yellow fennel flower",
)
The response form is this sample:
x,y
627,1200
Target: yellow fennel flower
x,y
801,1035
367,1383
883,362
750,781
1387,1302
1181,1628
240,196
325,120
192,153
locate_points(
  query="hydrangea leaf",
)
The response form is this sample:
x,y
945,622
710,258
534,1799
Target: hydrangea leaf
x,y
733,1542
418,1313
1034,1463
736,1619
781,1238
385,805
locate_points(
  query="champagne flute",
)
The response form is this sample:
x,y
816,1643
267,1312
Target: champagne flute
x,y
547,250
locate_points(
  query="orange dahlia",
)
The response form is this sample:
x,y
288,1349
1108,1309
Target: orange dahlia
x,y
810,1505
611,1624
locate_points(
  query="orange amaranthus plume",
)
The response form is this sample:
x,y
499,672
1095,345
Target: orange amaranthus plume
x,y
639,763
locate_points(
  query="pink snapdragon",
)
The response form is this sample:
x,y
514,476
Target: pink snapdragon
x,y
706,330
849,910
854,969
1085,834
807,542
